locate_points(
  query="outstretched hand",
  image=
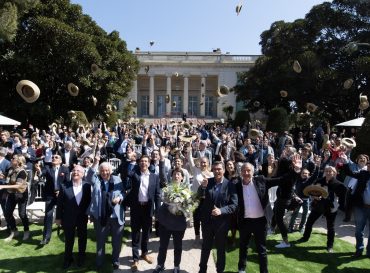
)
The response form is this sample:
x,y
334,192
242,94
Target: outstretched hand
x,y
297,162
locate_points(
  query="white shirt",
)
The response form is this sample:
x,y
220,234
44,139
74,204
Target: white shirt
x,y
66,156
144,186
77,190
252,203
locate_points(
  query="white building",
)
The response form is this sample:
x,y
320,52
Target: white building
x,y
172,83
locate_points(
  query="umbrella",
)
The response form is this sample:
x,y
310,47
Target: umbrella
x,y
8,121
357,122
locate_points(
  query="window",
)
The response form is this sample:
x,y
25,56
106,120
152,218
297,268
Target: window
x,y
193,106
161,106
144,106
209,107
178,109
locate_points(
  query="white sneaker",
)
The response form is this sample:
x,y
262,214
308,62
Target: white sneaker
x,y
241,271
11,236
283,244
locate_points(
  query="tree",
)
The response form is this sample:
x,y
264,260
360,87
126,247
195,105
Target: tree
x,y
278,120
55,45
325,44
228,110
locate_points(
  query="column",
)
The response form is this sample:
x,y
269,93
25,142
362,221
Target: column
x,y
186,94
203,96
151,96
168,93
134,97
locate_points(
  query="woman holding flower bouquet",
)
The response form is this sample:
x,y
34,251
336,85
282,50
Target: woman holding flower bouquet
x,y
177,206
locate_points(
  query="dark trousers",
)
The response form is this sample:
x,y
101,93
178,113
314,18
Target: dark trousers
x,y
280,206
13,200
115,229
69,234
214,232
164,239
141,222
196,219
3,197
257,227
50,204
330,219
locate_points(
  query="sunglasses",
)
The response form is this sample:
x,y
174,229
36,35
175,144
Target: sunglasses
x,y
55,156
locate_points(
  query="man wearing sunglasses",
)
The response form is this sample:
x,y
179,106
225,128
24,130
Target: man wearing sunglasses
x,y
55,176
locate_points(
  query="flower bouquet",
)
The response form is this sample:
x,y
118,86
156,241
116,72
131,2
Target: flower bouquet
x,y
180,199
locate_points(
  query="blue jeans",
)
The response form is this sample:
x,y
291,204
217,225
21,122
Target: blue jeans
x,y
305,206
362,215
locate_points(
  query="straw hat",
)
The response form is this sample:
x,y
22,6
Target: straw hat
x,y
311,107
315,190
349,142
73,89
95,69
283,93
188,138
297,67
29,91
348,84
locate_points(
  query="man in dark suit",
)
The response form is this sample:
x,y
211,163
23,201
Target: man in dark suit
x,y
143,199
107,210
73,200
219,204
252,200
68,155
55,177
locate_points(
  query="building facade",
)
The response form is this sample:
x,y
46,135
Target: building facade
x,y
172,83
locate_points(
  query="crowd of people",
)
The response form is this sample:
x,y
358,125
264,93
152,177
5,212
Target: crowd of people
x,y
245,179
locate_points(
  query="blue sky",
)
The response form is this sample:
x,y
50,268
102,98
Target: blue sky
x,y
193,25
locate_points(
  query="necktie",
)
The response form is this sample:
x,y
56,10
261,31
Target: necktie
x,y
106,209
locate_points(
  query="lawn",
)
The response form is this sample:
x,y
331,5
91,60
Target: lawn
x,y
309,257
28,256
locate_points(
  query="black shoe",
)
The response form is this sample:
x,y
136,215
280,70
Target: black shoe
x,y
44,242
80,261
158,269
115,266
67,264
302,240
357,254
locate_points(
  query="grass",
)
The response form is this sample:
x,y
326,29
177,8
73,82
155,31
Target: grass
x,y
309,257
28,256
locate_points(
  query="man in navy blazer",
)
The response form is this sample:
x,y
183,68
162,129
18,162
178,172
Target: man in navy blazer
x,y
106,209
253,198
55,177
143,199
220,202
73,200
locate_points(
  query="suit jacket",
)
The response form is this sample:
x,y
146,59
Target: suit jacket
x,y
262,184
227,201
154,193
118,191
72,158
68,210
4,166
362,177
49,174
29,160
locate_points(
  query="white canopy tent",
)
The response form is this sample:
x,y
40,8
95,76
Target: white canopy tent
x,y
357,122
8,121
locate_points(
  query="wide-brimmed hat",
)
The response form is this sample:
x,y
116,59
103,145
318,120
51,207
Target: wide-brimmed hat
x,y
348,83
73,89
283,93
94,69
311,107
222,91
363,105
28,90
187,138
349,142
297,67
315,190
